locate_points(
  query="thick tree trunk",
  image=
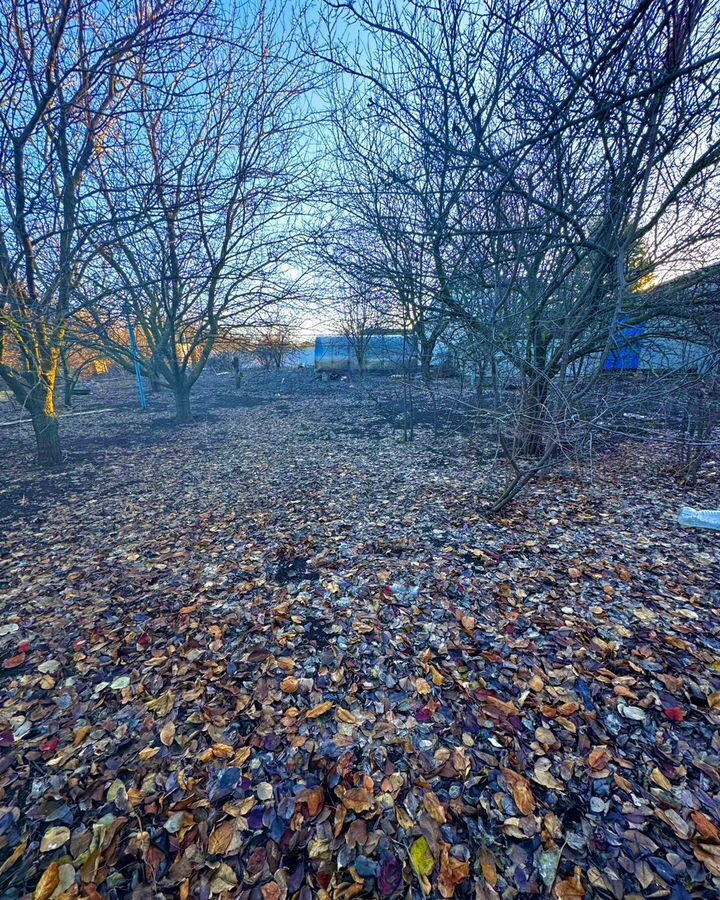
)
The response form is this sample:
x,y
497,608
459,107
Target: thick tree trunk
x,y
47,438
182,405
426,355
532,420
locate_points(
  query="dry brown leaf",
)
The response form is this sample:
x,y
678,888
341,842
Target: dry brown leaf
x,y
571,888
521,791
358,799
435,808
489,867
241,756
452,872
681,828
14,857
598,758
315,799
544,776
148,753
707,830
220,838
163,704
536,683
709,856
167,734
320,709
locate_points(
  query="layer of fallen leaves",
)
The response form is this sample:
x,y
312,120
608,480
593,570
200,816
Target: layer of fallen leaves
x,y
270,657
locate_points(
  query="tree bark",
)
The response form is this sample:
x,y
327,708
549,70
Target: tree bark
x,y
47,438
426,355
532,419
182,405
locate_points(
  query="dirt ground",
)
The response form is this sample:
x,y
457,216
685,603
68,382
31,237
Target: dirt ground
x,y
280,653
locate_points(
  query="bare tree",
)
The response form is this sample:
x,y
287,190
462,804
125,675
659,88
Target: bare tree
x,y
557,140
273,345
201,194
360,316
66,71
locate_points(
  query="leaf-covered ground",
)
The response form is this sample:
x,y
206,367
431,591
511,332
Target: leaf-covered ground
x,y
279,654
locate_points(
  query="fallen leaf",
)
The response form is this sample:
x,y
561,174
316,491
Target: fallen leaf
x,y
54,837
320,709
49,880
421,857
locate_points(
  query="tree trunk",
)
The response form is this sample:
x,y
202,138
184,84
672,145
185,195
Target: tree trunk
x,y
480,385
532,419
182,405
426,355
47,438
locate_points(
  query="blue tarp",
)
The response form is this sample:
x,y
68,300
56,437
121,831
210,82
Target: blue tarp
x,y
625,354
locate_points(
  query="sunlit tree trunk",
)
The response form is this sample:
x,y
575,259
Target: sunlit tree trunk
x,y
40,403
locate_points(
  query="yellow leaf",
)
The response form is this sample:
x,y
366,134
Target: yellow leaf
x,y
289,685
81,734
148,753
421,857
222,751
162,704
344,715
422,687
320,710
48,882
660,780
14,857
241,756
